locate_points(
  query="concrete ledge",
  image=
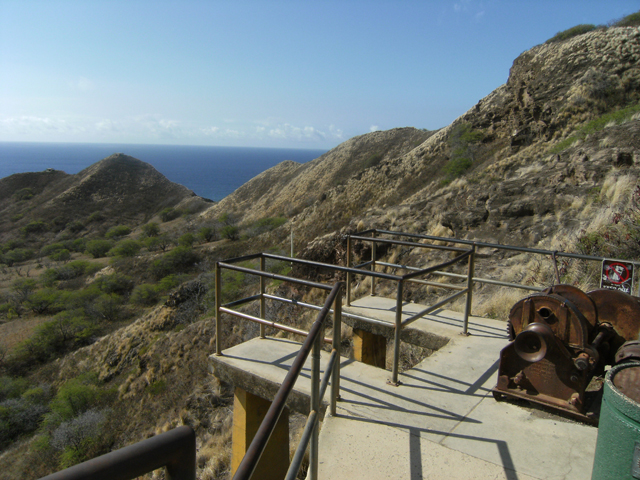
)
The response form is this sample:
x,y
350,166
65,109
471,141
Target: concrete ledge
x,y
259,367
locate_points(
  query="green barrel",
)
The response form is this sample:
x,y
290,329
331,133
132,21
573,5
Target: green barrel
x,y
618,447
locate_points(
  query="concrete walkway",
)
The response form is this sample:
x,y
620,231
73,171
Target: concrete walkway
x,y
442,422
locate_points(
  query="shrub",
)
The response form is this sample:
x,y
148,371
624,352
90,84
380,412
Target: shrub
x,y
178,260
230,232
571,32
23,288
117,231
632,20
107,306
151,243
37,226
76,432
17,255
125,248
61,255
95,217
44,301
151,230
98,248
115,283
11,387
186,240
76,226
51,249
17,417
145,294
71,270
267,224
206,234
169,214
24,194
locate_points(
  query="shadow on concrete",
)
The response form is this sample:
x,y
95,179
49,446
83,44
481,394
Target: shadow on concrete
x,y
415,451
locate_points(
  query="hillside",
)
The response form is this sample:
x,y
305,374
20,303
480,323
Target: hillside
x,y
517,166
550,159
121,188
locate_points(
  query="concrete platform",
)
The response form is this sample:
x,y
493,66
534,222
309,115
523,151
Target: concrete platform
x,y
442,422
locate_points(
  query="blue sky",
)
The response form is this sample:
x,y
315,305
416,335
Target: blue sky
x,y
299,74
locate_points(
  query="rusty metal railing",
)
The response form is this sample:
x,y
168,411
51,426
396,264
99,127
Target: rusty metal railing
x,y
464,254
175,450
312,344
552,254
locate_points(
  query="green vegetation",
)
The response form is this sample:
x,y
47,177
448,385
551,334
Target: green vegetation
x,y
125,248
24,194
179,260
632,20
117,232
617,117
462,143
169,214
571,32
98,248
151,230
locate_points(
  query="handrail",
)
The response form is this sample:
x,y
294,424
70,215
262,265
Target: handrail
x,y
497,245
175,450
259,443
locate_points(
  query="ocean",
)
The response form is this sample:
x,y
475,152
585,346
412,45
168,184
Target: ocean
x,y
211,172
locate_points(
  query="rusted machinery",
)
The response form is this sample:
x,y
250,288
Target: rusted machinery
x,y
560,339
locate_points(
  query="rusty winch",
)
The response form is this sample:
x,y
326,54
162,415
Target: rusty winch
x,y
560,339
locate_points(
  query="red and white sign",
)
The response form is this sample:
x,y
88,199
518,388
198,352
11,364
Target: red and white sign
x,y
617,275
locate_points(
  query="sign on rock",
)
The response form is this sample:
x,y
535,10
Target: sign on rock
x,y
617,275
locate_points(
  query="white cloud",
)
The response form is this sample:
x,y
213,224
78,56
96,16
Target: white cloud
x,y
374,128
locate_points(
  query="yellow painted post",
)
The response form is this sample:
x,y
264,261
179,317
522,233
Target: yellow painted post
x,y
369,348
248,412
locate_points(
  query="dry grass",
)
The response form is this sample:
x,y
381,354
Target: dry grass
x,y
16,331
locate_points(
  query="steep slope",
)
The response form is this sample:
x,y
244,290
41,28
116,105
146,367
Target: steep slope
x,y
288,188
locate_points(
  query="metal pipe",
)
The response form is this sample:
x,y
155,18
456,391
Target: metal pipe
x,y
349,273
328,266
362,265
409,244
262,290
242,301
373,264
555,265
315,307
175,450
500,246
467,307
326,377
298,457
268,323
314,447
261,438
432,308
337,343
396,338
218,303
490,281
429,270
274,276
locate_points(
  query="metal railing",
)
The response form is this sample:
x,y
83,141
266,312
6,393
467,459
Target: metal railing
x,y
552,254
312,344
175,450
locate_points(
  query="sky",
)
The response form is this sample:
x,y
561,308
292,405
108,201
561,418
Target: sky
x,y
272,73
